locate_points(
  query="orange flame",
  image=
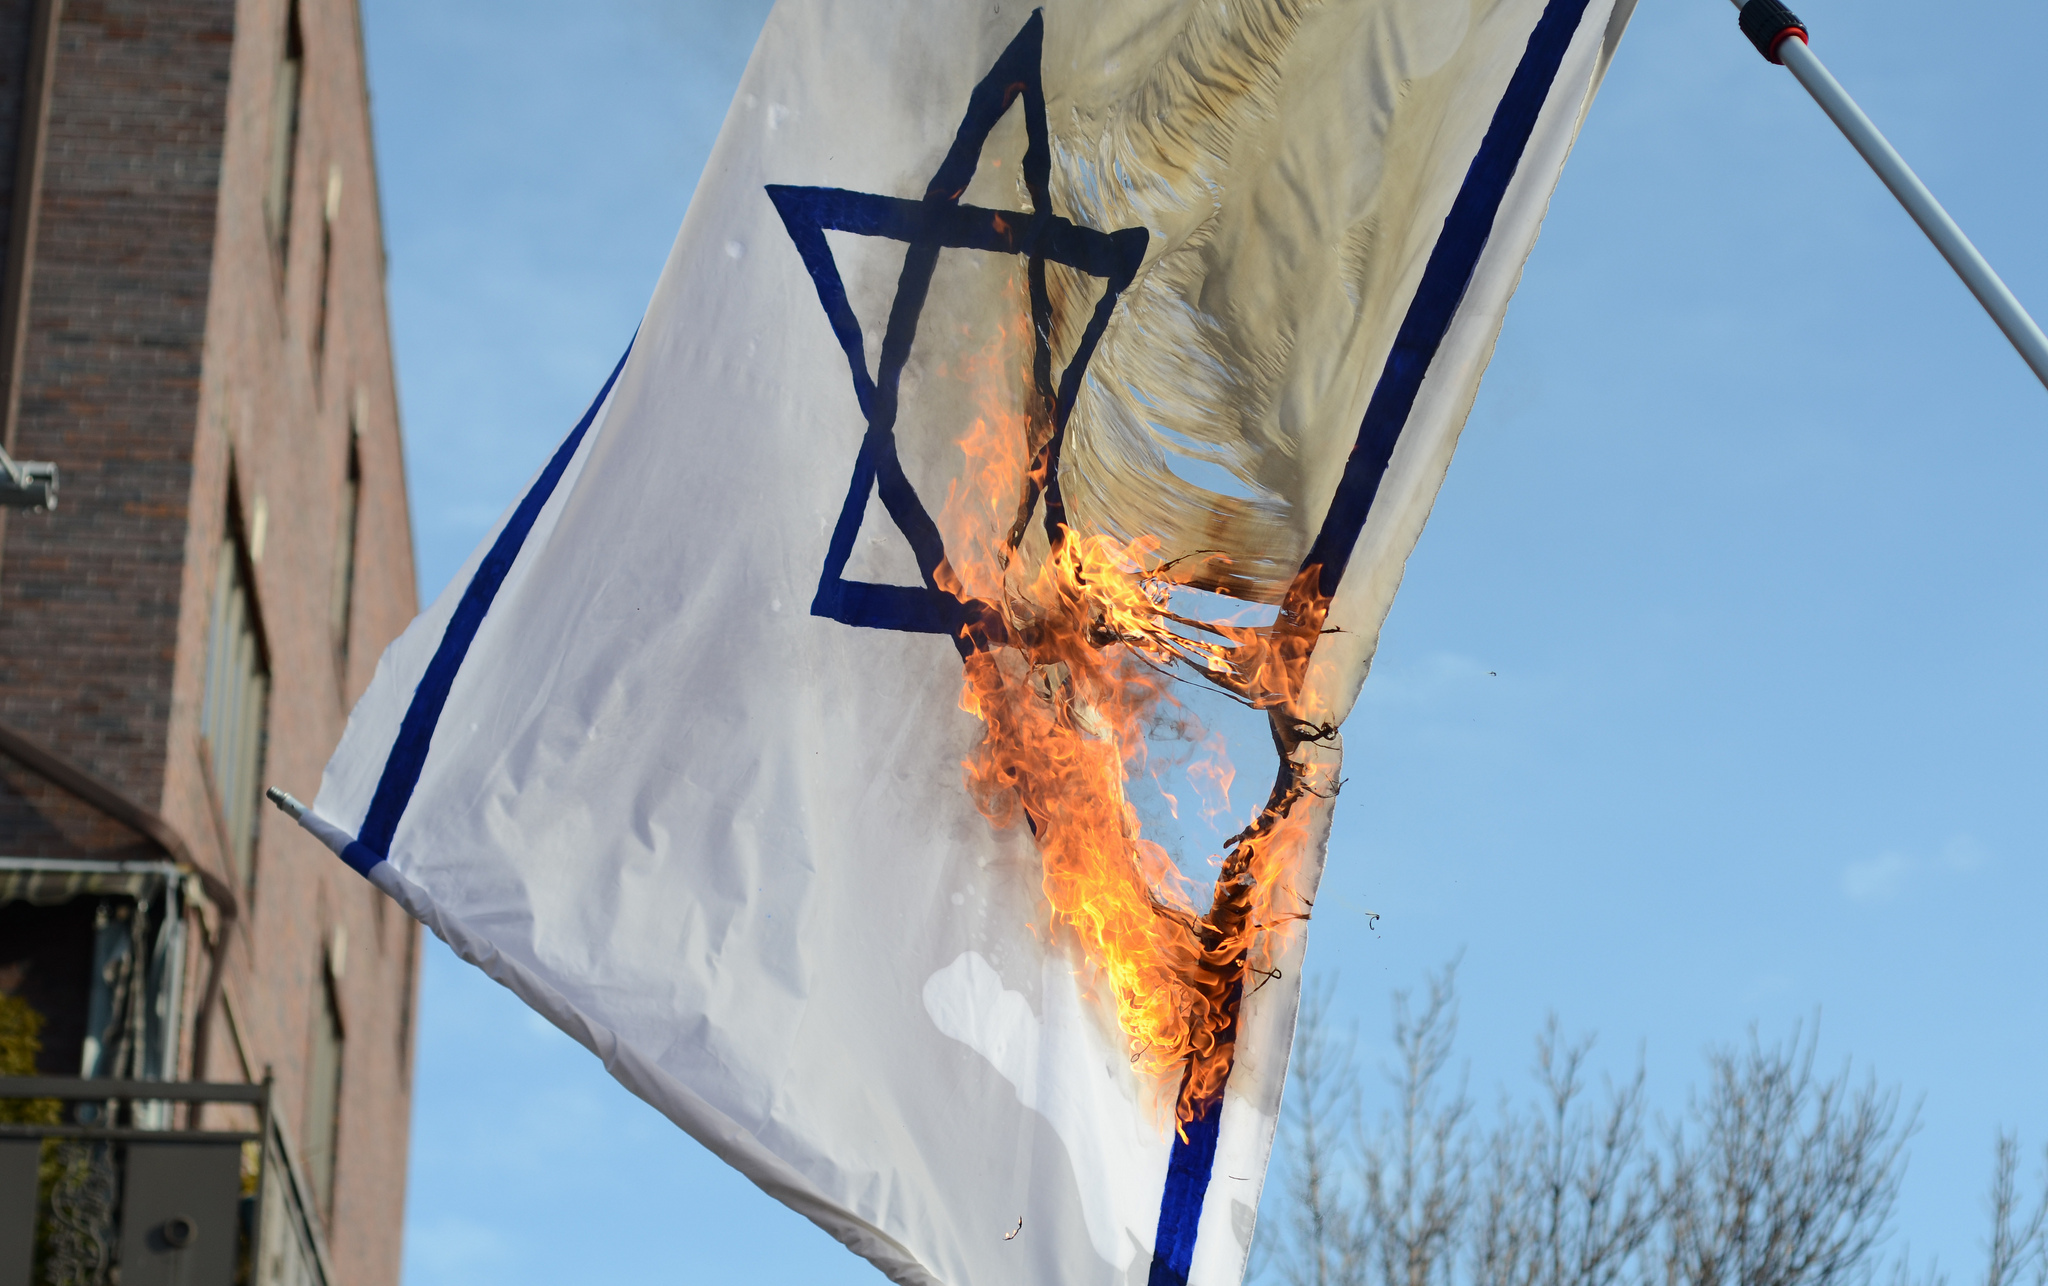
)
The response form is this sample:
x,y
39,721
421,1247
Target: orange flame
x,y
1083,668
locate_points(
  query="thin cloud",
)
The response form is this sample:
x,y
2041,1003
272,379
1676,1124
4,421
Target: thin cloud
x,y
1884,877
1876,879
1963,853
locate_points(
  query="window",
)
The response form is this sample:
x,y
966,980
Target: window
x,y
341,607
323,1096
327,213
284,132
233,717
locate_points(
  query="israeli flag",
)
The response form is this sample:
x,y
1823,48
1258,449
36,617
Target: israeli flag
x,y
704,752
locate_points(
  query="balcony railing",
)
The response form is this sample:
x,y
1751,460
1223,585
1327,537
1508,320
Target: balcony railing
x,y
150,1183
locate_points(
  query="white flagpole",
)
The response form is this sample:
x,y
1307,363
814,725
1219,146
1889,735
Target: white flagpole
x,y
1781,38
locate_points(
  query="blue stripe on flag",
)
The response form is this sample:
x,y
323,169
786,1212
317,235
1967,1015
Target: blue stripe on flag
x,y
359,858
1444,281
416,733
1187,1183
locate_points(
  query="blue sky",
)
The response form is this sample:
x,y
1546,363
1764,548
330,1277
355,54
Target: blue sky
x,y
1714,696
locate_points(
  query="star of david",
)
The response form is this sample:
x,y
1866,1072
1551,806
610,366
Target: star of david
x,y
929,225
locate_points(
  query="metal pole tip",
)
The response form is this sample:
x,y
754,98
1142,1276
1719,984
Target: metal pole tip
x,y
291,807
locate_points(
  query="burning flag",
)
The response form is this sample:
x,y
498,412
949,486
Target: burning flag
x,y
779,744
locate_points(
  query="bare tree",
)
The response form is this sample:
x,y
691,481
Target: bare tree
x,y
1415,1169
2018,1241
1790,1181
1569,1196
1774,1177
1320,1234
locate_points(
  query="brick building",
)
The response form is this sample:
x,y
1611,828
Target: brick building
x,y
193,330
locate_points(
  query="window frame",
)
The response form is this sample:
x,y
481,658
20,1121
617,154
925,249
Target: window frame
x,y
235,764
321,1130
287,113
347,546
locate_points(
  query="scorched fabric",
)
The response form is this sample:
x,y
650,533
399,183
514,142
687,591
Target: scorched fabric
x,y
776,745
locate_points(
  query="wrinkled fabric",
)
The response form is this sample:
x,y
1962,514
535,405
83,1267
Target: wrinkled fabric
x,y
723,841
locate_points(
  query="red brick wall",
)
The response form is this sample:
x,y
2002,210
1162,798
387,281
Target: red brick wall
x,y
171,369
89,601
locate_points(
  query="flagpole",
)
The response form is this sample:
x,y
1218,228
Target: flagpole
x,y
1781,38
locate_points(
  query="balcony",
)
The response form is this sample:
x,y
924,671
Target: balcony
x,y
150,1183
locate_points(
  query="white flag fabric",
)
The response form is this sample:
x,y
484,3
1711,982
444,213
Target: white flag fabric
x,y
704,753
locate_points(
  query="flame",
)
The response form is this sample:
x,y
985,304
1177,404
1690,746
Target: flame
x,y
1080,664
